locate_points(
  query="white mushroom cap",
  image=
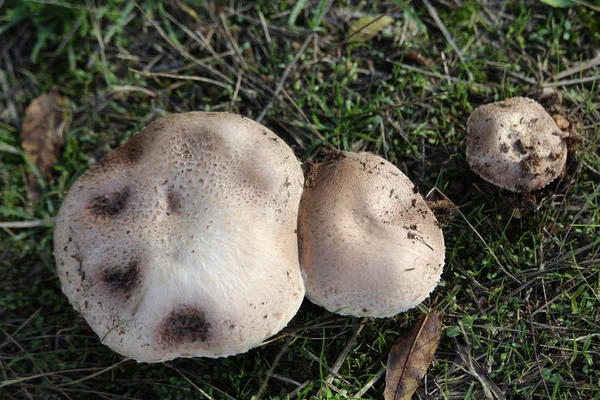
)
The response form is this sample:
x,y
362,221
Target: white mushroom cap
x,y
515,144
182,242
369,245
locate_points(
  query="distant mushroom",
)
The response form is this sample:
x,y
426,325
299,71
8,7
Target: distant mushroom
x,y
515,144
182,242
369,245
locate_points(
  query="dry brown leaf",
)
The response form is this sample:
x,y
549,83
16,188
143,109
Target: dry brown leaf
x,y
410,357
42,134
366,28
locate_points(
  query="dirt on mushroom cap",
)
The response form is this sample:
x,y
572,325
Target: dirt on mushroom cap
x,y
180,243
369,245
515,144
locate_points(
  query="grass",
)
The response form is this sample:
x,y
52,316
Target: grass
x,y
521,296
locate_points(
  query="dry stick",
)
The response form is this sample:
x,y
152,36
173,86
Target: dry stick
x,y
199,38
489,249
305,118
265,27
85,378
441,76
4,368
490,389
283,78
179,48
342,357
335,374
12,109
27,224
578,68
570,82
238,85
370,383
96,30
255,85
202,392
286,380
297,390
12,339
575,219
175,76
394,106
232,42
54,373
129,88
265,382
534,347
447,35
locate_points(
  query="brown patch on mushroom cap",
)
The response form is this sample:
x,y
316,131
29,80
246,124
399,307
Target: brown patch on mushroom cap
x,y
177,243
369,245
515,144
185,324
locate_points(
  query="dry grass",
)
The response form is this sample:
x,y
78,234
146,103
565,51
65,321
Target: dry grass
x,y
521,295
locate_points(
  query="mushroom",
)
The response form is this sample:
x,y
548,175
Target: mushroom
x,y
515,144
182,242
369,245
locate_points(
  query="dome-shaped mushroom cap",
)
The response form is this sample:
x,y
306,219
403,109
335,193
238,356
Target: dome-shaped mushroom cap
x,y
369,245
515,144
182,241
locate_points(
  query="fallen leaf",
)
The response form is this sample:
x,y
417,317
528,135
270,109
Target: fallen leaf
x,y
42,135
366,28
410,357
417,58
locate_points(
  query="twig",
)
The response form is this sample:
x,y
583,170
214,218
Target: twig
x,y
55,373
27,224
369,384
129,88
342,357
180,48
489,249
569,82
490,389
307,121
265,27
12,109
175,76
322,363
283,78
202,392
98,34
578,68
441,76
20,327
269,374
297,390
447,35
232,42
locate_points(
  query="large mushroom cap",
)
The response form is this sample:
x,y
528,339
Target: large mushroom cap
x,y
182,241
515,144
369,245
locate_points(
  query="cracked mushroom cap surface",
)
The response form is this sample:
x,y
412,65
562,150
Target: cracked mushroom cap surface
x,y
182,242
515,144
369,244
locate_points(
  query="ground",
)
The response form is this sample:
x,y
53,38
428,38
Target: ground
x,y
520,293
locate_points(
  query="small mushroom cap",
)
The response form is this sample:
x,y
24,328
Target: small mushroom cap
x,y
515,144
182,242
369,245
